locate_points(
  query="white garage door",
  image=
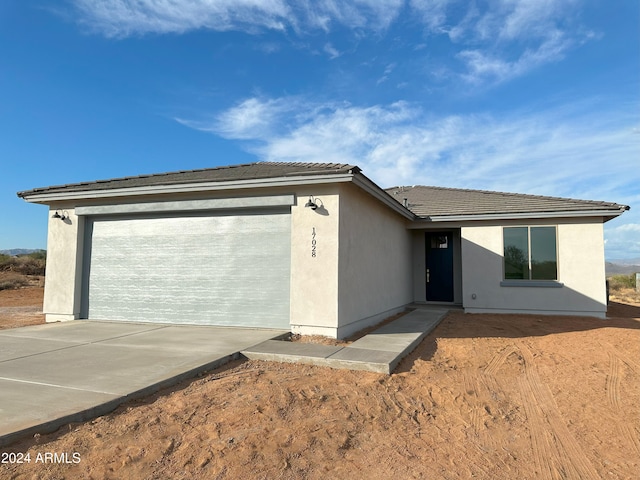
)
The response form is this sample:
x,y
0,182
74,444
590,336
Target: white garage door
x,y
210,270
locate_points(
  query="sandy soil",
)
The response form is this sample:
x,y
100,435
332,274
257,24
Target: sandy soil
x,y
21,307
483,396
626,295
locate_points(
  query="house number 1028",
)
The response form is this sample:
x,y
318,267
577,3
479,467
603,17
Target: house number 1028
x,y
313,242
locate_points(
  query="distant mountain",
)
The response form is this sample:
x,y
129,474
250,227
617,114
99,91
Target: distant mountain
x,y
622,267
20,251
625,261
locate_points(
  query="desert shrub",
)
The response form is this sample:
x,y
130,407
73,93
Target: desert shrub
x,y
11,281
26,265
37,255
29,265
618,282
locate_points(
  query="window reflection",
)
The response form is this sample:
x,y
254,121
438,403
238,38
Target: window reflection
x,y
530,253
516,253
543,253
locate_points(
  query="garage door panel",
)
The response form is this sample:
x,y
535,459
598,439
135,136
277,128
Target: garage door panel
x,y
214,270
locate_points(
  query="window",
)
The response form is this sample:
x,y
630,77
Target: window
x,y
530,253
439,241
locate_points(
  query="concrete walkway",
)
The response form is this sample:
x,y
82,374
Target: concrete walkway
x,y
54,374
379,351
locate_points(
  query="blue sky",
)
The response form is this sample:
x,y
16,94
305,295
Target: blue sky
x,y
536,97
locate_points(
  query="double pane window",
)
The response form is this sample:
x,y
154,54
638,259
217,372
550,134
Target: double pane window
x,y
530,253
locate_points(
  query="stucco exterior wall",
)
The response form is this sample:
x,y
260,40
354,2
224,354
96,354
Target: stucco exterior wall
x,y
64,268
314,271
351,259
314,279
375,261
419,266
580,251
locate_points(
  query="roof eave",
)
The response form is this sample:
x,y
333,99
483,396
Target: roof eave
x,y
45,197
375,191
605,214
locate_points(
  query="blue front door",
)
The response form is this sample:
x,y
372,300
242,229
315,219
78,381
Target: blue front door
x,y
439,266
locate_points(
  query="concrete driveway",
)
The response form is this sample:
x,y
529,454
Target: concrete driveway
x,y
58,373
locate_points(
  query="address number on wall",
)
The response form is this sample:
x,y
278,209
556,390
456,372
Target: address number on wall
x,y
313,242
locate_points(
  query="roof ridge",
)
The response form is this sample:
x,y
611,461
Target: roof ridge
x,y
259,169
507,194
307,164
149,175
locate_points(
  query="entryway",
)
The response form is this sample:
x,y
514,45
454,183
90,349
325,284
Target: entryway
x,y
439,266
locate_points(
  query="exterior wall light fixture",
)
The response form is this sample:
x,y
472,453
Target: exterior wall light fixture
x,y
62,216
312,203
316,205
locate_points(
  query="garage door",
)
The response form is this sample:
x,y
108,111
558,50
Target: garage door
x,y
230,270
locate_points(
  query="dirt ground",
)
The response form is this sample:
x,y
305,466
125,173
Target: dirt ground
x,y
21,307
483,396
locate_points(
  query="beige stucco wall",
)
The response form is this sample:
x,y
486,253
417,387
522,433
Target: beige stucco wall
x,y
375,261
314,279
580,270
419,265
367,265
63,274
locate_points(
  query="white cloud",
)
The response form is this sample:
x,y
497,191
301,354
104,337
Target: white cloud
x,y
331,51
433,13
251,119
495,41
122,18
530,29
558,152
507,20
371,14
633,228
623,241
582,151
532,18
505,39
482,66
387,71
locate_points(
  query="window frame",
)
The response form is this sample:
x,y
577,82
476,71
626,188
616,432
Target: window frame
x,y
522,282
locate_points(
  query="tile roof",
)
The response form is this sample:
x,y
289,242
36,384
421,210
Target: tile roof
x,y
247,171
426,201
422,201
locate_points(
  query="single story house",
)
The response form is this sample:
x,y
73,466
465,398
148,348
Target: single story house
x,y
316,248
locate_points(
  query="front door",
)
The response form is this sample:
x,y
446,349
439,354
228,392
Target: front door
x,y
439,267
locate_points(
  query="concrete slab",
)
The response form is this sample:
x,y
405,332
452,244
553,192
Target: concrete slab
x,y
403,333
58,373
101,368
379,351
290,352
363,359
18,347
80,331
294,348
390,343
196,338
42,404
